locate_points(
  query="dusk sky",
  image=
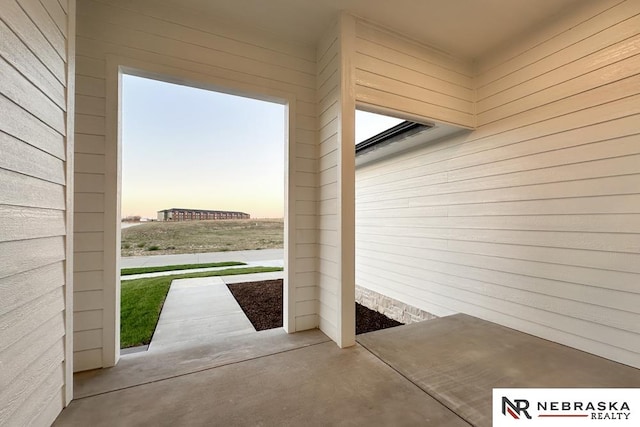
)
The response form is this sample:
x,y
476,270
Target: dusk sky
x,y
194,148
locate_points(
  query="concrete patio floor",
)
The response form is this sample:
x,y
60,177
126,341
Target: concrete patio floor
x,y
435,373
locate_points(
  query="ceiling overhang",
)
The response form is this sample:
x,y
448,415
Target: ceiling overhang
x,y
467,29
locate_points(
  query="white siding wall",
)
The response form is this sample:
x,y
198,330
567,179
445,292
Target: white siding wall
x,y
208,51
533,220
411,79
34,154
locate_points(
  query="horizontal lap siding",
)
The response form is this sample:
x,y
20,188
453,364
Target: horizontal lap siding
x,y
33,168
328,112
411,79
189,42
533,220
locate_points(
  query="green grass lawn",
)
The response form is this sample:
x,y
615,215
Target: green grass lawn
x,y
142,270
141,302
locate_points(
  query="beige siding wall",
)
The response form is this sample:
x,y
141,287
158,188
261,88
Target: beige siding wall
x,y
207,51
33,203
411,79
533,220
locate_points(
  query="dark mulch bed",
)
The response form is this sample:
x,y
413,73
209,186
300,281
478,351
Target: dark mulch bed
x,y
262,303
368,320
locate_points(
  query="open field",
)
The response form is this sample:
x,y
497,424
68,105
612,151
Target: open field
x,y
163,238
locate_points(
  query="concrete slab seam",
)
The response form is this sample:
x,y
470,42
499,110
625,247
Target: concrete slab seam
x,y
414,383
203,370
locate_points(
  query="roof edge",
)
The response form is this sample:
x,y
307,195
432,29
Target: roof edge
x,y
405,128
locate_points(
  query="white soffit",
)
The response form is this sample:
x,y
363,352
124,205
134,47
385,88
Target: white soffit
x,y
464,28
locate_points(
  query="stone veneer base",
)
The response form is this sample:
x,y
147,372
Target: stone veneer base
x,y
390,307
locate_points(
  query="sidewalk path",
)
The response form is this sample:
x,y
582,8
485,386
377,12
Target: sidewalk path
x,y
244,256
198,310
265,263
195,310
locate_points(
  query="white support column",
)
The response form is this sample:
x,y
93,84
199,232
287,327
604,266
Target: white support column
x,y
290,199
113,178
346,184
336,195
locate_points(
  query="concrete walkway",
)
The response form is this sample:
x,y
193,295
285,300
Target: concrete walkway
x,y
265,263
201,310
244,256
197,309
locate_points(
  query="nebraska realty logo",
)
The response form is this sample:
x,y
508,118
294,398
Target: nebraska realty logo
x,y
566,407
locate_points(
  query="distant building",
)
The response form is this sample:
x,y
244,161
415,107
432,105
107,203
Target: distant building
x,y
180,214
